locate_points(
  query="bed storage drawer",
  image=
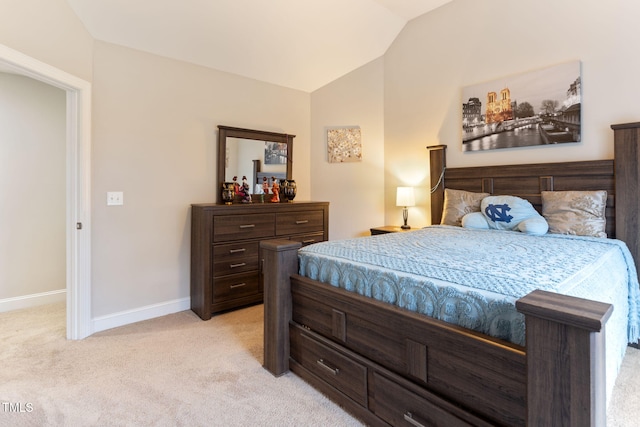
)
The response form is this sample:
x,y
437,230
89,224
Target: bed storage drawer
x,y
400,407
332,366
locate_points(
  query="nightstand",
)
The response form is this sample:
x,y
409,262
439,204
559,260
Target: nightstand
x,y
388,229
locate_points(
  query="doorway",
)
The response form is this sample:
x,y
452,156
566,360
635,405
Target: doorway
x,y
78,188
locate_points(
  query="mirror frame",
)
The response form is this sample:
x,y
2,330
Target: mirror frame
x,y
225,132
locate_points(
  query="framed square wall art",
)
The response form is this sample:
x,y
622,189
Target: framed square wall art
x,y
344,144
530,109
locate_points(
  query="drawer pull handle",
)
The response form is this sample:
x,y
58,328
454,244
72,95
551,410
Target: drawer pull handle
x,y
334,371
235,251
241,264
303,221
408,417
308,241
238,285
248,226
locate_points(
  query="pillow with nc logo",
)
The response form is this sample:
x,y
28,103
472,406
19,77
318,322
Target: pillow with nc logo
x,y
508,213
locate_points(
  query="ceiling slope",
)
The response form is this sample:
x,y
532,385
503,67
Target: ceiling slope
x,y
300,44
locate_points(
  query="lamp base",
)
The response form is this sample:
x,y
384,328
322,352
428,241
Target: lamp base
x,y
405,217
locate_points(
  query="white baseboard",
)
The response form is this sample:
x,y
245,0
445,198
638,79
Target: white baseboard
x,y
122,318
33,300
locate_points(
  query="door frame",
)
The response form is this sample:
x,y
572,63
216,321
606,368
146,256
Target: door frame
x,y
78,182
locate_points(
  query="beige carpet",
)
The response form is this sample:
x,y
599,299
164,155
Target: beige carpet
x,y
175,371
172,371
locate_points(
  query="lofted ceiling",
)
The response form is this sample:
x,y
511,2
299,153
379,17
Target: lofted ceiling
x,y
300,44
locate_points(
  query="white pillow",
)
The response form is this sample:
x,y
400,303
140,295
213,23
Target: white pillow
x,y
507,213
475,220
536,226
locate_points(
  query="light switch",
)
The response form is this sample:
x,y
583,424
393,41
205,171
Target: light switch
x,y
115,198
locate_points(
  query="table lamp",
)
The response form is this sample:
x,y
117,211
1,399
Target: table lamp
x,y
405,198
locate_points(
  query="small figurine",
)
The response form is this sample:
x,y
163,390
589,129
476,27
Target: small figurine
x,y
265,185
239,188
246,191
275,189
236,187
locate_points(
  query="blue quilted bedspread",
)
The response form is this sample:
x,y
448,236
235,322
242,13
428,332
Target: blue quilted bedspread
x,y
473,277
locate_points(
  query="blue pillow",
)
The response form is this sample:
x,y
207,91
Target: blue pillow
x,y
507,213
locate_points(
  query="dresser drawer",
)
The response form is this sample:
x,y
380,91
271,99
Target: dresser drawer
x,y
299,222
235,258
238,227
335,368
235,286
400,407
235,251
240,265
308,239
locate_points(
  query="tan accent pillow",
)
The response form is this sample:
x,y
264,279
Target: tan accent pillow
x,y
581,213
458,203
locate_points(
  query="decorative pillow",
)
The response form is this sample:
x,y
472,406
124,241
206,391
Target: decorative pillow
x,y
536,226
458,203
507,213
475,220
581,213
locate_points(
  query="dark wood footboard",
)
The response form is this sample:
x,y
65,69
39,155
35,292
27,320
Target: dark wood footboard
x,y
565,359
387,365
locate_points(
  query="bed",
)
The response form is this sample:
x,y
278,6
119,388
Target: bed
x,y
389,365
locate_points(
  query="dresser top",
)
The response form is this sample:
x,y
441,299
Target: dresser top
x,y
239,208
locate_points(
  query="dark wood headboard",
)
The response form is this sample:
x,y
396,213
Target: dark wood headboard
x,y
527,181
620,178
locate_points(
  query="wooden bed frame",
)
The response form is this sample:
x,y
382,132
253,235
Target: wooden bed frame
x,y
386,365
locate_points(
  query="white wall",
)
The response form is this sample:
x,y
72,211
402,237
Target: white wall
x,y
354,190
471,41
49,31
154,124
32,188
155,138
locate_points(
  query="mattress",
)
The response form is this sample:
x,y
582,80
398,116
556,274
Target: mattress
x,y
472,278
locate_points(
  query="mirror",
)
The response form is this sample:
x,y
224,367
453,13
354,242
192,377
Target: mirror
x,y
248,157
254,154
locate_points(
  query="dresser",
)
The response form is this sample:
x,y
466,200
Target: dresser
x,y
225,258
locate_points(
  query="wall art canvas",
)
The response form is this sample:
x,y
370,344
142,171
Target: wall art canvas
x,y
344,145
539,108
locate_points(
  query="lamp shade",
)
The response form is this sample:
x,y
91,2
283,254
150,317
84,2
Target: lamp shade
x,y
405,197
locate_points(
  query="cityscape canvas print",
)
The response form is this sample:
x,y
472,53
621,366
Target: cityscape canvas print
x,y
530,109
